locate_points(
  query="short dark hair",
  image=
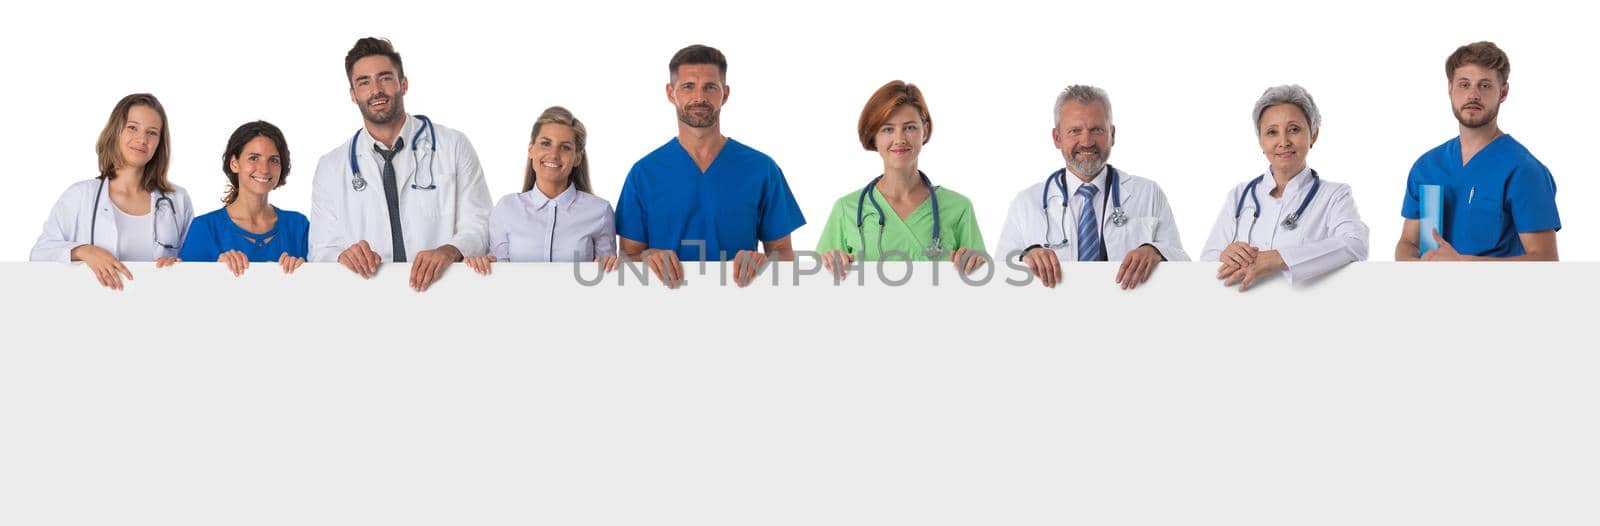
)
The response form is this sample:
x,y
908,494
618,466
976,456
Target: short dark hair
x,y
371,46
1484,54
698,54
242,136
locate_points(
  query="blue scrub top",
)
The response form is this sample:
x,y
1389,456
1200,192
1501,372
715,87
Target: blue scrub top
x,y
740,199
1503,191
214,233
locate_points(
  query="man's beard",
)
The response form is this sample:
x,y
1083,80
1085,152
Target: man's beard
x,y
1088,168
1485,116
708,120
396,109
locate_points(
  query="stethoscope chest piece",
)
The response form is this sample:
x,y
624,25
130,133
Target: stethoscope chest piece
x,y
934,250
1289,223
1119,218
359,183
162,199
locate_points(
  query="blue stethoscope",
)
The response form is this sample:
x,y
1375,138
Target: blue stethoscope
x,y
1118,217
172,213
935,250
1289,223
359,183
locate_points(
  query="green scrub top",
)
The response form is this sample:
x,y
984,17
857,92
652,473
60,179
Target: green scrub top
x,y
911,236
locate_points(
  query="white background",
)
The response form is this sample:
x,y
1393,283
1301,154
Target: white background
x,y
1182,77
1447,394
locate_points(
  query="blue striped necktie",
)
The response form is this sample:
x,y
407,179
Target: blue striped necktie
x,y
1089,247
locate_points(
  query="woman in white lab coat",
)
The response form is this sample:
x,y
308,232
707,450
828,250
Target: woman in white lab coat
x,y
1288,219
554,218
127,213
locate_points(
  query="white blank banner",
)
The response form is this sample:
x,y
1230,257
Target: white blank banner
x,y
1385,394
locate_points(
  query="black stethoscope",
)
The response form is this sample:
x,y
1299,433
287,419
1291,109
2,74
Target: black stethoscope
x,y
359,183
1118,217
935,250
172,212
1289,223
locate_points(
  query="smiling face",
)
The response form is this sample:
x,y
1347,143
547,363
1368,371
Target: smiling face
x,y
1475,95
377,89
899,140
553,152
1085,137
1285,138
698,93
140,136
258,167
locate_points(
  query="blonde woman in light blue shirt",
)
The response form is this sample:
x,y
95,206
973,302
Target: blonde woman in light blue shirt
x,y
554,218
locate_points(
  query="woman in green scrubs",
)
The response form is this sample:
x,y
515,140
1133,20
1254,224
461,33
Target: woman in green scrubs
x,y
900,215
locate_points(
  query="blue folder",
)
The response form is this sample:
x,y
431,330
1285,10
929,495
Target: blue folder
x,y
1432,206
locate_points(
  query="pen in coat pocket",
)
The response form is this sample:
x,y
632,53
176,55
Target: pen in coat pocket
x,y
1471,193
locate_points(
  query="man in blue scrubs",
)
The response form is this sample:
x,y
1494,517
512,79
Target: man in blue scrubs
x,y
1499,202
703,196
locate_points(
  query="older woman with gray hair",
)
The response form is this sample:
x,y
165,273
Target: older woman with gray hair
x,y
1288,219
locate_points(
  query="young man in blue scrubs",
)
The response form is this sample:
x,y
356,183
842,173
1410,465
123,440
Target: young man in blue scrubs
x,y
1498,201
703,196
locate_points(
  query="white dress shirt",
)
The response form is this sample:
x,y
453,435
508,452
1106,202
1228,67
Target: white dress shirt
x,y
1329,233
455,211
575,226
1149,219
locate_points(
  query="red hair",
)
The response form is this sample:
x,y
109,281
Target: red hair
x,y
883,104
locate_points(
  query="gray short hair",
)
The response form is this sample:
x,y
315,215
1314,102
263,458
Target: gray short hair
x,y
1288,94
1085,94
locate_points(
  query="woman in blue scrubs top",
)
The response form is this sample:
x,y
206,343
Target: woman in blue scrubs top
x,y
248,228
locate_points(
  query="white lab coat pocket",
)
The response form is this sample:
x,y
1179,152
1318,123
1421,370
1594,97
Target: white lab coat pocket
x,y
427,203
429,185
420,217
1123,239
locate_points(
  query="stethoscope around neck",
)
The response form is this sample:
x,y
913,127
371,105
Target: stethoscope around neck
x,y
1288,223
172,212
934,250
360,183
1118,217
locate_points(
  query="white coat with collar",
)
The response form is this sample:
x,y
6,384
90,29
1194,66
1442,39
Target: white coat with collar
x,y
77,217
1329,235
454,212
1149,219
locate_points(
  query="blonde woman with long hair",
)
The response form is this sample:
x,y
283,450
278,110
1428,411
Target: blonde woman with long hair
x,y
555,217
